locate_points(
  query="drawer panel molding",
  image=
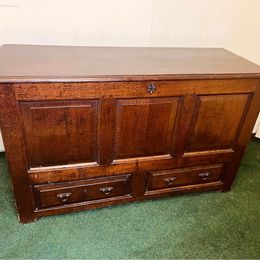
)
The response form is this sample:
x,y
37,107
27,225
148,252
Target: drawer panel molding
x,y
51,195
185,176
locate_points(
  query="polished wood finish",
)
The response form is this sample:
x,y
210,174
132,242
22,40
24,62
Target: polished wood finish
x,y
63,63
14,149
135,89
159,180
50,195
58,133
87,127
216,121
144,126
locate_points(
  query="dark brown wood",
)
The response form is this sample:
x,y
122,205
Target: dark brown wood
x,y
58,133
50,195
63,63
144,164
231,168
144,126
106,130
97,90
217,185
187,108
14,148
100,126
185,176
216,121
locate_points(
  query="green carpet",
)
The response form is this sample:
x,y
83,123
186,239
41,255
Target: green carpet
x,y
206,225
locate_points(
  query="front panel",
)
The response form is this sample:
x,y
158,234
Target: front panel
x,y
216,121
145,127
74,132
157,131
60,132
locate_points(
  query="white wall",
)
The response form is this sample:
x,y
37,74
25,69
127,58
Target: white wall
x,y
232,24
256,129
1,144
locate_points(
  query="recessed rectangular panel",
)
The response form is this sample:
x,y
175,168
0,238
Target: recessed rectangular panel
x,y
61,194
216,121
145,127
166,179
60,133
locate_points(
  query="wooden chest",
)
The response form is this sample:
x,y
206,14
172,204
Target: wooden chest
x,y
87,127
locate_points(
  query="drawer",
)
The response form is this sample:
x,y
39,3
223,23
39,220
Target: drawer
x,y
50,195
184,176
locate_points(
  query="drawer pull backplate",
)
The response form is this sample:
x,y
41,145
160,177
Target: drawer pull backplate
x,y
204,175
106,190
64,196
170,181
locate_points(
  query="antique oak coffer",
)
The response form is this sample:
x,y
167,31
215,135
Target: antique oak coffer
x,y
87,127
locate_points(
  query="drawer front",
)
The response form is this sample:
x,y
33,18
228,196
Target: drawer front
x,y
185,176
50,195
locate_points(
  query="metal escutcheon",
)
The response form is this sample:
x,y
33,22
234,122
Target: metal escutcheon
x,y
151,88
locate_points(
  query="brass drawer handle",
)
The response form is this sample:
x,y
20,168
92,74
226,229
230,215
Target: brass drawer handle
x,y
106,190
204,175
64,196
151,88
170,181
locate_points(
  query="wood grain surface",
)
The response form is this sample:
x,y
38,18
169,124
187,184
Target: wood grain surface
x,y
71,63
